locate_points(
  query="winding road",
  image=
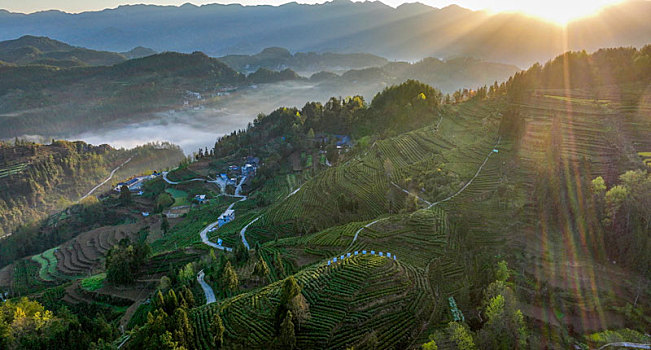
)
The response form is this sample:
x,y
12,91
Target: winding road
x,y
180,182
105,181
438,202
207,290
243,231
472,179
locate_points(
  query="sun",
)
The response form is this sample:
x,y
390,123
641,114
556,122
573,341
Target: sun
x,y
558,11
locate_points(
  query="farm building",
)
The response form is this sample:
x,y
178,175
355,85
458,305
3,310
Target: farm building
x,y
200,198
226,217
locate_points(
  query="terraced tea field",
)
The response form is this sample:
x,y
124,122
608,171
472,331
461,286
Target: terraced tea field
x,y
13,169
347,301
465,135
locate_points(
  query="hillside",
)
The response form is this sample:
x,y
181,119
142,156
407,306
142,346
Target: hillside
x,y
51,101
42,50
408,32
508,216
37,180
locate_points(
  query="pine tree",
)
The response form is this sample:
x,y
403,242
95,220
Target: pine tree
x,y
261,269
230,281
165,225
287,337
217,329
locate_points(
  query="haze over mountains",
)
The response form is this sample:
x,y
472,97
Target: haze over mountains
x,y
411,31
52,89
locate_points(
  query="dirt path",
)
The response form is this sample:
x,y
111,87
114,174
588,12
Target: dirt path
x,y
105,181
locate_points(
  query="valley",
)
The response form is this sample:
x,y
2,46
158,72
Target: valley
x,y
439,204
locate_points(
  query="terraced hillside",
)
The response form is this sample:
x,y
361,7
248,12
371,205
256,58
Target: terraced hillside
x,y
347,302
457,144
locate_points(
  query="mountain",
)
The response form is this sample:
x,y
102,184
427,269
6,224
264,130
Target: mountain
x,y
511,217
408,32
42,50
138,52
450,75
276,58
51,101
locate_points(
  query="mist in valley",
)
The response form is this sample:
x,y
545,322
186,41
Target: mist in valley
x,y
202,122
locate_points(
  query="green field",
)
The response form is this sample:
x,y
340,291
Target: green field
x,y
48,263
180,197
94,282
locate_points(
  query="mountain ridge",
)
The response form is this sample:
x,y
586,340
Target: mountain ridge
x,y
405,32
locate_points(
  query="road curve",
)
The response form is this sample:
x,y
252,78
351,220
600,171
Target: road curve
x,y
105,181
207,290
180,182
243,231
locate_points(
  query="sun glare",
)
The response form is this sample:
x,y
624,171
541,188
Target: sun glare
x,y
557,11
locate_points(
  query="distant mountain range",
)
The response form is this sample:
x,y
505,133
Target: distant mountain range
x,y
448,76
410,32
277,58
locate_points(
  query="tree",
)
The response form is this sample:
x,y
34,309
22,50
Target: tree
x,y
287,336
504,327
186,274
261,269
164,225
430,345
163,201
183,331
461,336
502,273
615,197
125,195
289,291
230,281
217,329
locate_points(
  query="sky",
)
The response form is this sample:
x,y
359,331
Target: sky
x,y
559,11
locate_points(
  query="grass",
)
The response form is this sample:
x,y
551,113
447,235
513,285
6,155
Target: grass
x,y
94,282
180,197
48,263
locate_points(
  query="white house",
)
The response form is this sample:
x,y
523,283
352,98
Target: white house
x,y
226,217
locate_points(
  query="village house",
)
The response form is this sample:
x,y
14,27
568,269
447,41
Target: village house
x,y
226,217
200,198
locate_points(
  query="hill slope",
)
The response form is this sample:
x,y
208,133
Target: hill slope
x,y
42,50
